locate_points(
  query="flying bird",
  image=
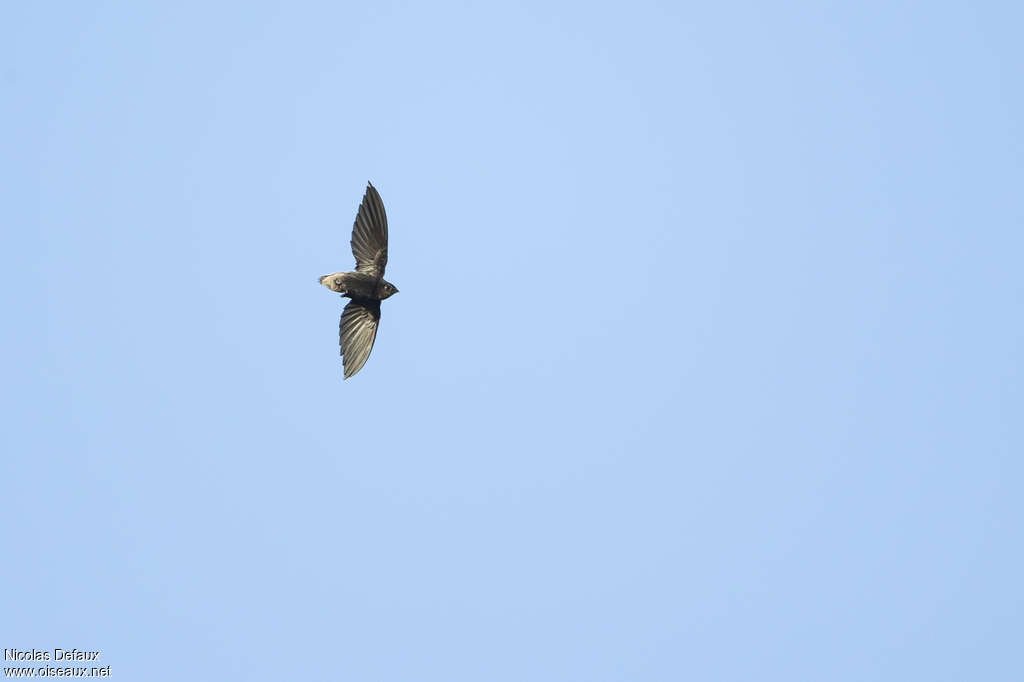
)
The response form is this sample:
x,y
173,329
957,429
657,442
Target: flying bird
x,y
366,286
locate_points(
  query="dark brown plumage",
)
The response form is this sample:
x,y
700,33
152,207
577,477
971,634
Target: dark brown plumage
x,y
366,286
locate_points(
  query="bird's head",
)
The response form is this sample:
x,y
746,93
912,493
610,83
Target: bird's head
x,y
387,289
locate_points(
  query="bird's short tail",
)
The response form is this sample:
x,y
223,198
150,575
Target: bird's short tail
x,y
334,281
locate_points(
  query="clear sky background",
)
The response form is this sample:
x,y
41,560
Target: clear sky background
x,y
706,365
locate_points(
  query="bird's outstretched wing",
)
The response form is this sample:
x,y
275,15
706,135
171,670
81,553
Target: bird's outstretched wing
x,y
370,234
358,329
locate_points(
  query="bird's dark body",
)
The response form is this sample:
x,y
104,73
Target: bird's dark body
x,y
365,285
359,285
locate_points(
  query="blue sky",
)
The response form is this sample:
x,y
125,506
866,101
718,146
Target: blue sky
x,y
706,362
